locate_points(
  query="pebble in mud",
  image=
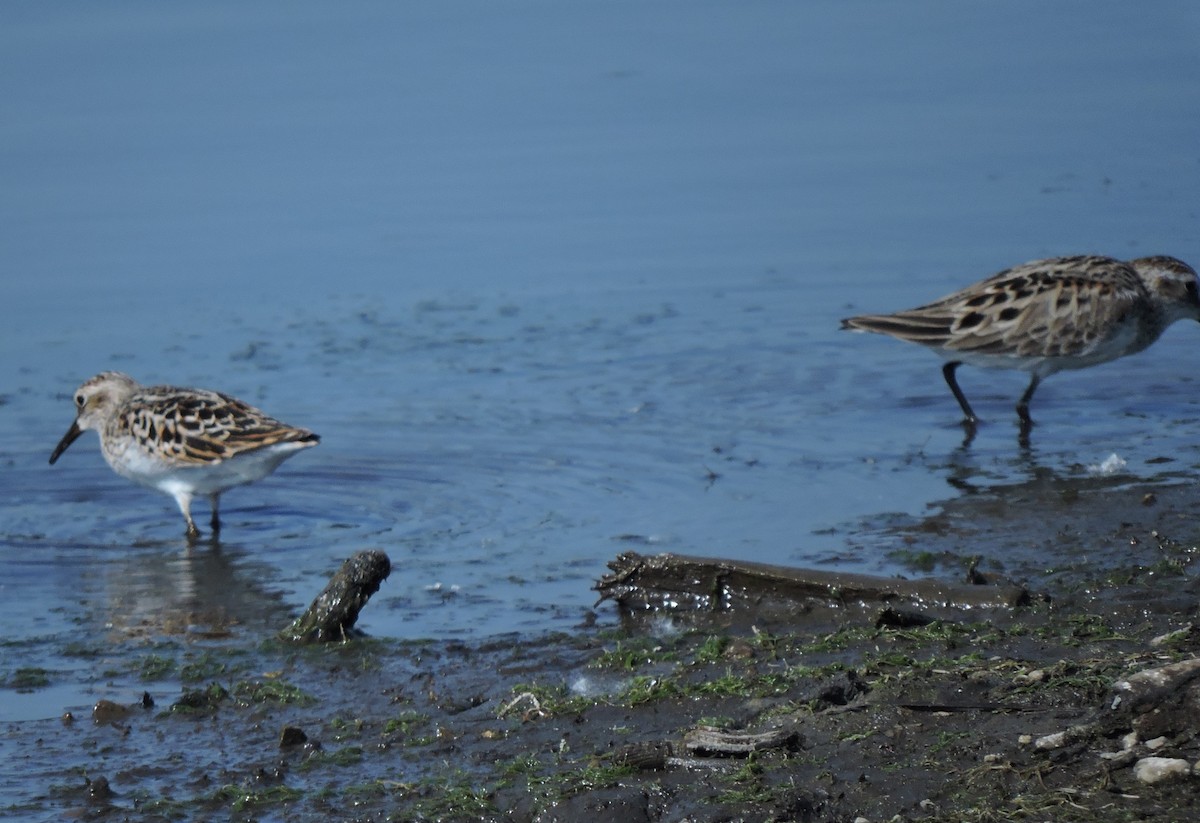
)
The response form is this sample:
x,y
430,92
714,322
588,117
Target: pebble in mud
x,y
292,736
106,711
99,790
1152,770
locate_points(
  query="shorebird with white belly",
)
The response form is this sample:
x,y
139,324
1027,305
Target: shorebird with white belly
x,y
184,442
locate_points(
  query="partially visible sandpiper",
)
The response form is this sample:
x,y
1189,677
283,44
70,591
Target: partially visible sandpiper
x,y
1046,316
184,442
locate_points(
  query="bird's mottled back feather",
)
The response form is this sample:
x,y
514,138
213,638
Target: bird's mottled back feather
x,y
199,426
1061,307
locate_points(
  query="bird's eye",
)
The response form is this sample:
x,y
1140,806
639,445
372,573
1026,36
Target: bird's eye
x,y
1192,292
79,400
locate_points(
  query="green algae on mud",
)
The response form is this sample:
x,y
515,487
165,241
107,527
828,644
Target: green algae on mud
x,y
937,720
28,678
930,730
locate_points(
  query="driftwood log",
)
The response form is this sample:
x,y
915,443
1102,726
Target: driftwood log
x,y
335,611
666,581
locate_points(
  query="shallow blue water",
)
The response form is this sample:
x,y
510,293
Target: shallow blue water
x,y
552,281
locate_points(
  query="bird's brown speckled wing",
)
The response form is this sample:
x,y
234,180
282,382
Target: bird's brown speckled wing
x,y
197,426
1062,306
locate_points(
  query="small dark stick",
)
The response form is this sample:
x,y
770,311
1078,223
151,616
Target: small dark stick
x,y
333,614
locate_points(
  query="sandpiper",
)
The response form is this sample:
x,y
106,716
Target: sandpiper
x,y
184,442
1046,316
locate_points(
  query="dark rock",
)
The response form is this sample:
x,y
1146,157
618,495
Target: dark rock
x,y
106,712
292,736
99,791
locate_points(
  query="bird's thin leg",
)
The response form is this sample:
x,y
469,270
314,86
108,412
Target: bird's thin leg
x,y
215,523
184,500
948,373
1023,412
968,434
1023,403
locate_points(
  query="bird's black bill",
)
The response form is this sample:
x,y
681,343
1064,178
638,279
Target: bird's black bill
x,y
70,437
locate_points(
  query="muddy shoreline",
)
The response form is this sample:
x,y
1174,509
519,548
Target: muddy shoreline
x,y
812,714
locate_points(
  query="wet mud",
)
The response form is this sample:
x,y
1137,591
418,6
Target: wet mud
x,y
1079,704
